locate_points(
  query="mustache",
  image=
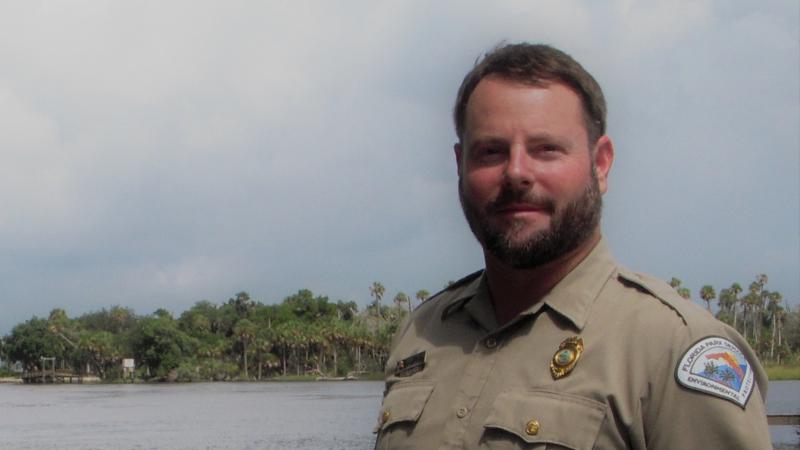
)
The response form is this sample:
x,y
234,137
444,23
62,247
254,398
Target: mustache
x,y
509,196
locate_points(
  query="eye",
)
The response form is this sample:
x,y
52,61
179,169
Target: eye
x,y
547,150
488,154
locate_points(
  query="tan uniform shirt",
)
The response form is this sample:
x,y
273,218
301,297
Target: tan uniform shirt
x,y
455,380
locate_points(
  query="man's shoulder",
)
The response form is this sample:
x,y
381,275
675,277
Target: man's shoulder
x,y
427,317
451,291
662,298
441,301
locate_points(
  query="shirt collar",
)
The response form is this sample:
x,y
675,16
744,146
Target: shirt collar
x,y
571,298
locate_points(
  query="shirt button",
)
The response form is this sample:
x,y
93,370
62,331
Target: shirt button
x,y
491,342
532,427
462,412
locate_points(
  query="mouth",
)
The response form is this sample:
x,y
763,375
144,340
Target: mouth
x,y
521,208
511,202
524,212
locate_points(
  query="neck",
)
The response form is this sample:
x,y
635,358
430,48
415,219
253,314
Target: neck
x,y
515,290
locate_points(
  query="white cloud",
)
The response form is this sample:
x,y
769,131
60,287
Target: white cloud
x,y
155,154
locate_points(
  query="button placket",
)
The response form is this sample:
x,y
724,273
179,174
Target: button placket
x,y
475,376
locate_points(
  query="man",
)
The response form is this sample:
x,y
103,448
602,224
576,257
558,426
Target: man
x,y
554,345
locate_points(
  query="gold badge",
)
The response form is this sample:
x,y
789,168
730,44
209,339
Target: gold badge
x,y
566,357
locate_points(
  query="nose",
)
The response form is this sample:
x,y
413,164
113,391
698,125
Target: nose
x,y
519,167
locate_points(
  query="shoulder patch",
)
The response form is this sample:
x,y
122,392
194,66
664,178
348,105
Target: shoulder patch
x,y
716,366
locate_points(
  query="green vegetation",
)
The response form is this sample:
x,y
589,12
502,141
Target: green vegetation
x,y
303,337
783,372
307,336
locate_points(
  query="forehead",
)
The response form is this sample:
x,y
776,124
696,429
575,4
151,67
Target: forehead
x,y
500,105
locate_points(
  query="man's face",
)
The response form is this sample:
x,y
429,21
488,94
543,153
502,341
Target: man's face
x,y
529,183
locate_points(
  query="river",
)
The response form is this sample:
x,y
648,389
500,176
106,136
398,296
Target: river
x,y
308,416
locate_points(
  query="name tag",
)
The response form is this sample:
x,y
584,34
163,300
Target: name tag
x,y
410,365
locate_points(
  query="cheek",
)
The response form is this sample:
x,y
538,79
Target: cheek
x,y
564,180
481,185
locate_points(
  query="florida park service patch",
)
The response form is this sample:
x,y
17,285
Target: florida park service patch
x,y
716,366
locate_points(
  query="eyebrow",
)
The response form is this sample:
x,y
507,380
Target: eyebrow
x,y
537,138
487,140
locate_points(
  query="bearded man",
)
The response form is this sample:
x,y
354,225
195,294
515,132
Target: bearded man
x,y
553,344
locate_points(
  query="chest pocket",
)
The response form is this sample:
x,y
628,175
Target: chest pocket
x,y
402,407
543,419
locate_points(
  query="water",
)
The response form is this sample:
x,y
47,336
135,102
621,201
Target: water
x,y
783,397
309,416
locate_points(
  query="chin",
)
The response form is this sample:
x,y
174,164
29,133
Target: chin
x,y
521,238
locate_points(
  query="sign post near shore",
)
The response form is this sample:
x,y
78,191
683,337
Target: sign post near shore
x,y
128,368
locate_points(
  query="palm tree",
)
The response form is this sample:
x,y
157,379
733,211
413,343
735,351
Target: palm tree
x,y
736,289
245,331
400,299
242,304
376,291
422,295
774,308
760,301
262,344
707,293
725,303
755,300
727,377
711,369
682,291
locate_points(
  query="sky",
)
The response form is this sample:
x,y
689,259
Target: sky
x,y
155,154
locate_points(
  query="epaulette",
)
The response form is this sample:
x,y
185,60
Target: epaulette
x,y
660,290
454,285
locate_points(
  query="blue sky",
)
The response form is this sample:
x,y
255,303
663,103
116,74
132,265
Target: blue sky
x,y
154,154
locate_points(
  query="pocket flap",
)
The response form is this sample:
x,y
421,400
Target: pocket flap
x,y
548,417
404,403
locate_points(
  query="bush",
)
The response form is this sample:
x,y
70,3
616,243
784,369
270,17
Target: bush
x,y
216,370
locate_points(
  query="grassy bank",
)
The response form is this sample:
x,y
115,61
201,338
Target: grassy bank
x,y
783,372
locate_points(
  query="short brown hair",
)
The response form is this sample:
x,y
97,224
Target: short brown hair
x,y
535,64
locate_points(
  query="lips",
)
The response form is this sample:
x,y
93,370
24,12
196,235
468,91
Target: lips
x,y
512,202
521,208
540,206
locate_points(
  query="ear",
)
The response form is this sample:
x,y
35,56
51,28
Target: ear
x,y
457,152
603,159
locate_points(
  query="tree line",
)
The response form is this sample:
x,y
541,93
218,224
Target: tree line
x,y
759,314
305,334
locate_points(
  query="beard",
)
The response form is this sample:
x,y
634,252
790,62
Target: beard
x,y
570,225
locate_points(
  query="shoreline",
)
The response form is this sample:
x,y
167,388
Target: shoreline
x,y
774,373
279,379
